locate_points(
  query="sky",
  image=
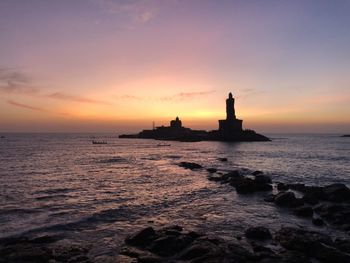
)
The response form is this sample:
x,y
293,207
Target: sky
x,y
119,65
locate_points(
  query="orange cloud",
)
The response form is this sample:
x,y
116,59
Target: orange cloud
x,y
25,106
67,97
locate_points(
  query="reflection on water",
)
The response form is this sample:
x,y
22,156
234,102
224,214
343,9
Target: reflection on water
x,y
98,193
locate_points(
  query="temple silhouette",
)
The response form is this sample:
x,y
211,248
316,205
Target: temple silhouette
x,y
230,129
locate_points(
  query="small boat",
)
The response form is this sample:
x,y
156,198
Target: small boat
x,y
162,145
99,142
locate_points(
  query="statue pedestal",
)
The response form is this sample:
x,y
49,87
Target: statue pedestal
x,y
230,126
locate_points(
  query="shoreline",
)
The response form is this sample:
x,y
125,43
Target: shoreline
x,y
257,244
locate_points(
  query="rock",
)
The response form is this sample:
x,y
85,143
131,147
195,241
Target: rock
x,y
311,243
191,166
343,244
300,240
327,253
257,173
142,238
187,247
263,179
212,170
304,211
222,159
260,233
317,222
287,199
247,185
337,193
195,251
149,259
292,257
337,214
282,187
270,198
297,187
170,245
215,177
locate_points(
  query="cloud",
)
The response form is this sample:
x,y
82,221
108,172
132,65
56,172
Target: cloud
x,y
25,106
138,11
175,97
13,81
67,97
186,96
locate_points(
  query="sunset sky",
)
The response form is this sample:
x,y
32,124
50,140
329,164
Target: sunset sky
x,y
118,65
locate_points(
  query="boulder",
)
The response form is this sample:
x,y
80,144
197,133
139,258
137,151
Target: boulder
x,y
260,233
300,240
222,159
212,170
191,166
142,238
257,173
297,186
248,185
169,245
304,211
287,199
337,193
282,187
337,214
263,179
317,222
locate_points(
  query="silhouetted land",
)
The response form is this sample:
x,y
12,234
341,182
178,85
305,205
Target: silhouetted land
x,y
230,129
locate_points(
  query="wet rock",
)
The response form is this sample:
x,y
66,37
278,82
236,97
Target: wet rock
x,y
282,187
287,199
215,177
191,166
292,257
317,222
337,193
314,195
263,179
260,233
247,185
327,253
257,173
304,211
196,251
188,247
169,245
313,244
337,214
142,238
297,187
269,198
149,259
343,244
300,240
222,159
212,170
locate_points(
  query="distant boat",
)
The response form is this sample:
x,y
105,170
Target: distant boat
x,y
346,135
162,145
99,142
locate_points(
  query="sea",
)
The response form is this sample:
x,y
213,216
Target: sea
x,y
97,194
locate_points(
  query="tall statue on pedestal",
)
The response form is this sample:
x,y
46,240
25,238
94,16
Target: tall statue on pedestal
x,y
230,108
231,125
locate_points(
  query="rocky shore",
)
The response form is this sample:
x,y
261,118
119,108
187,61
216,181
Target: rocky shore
x,y
174,244
328,205
325,207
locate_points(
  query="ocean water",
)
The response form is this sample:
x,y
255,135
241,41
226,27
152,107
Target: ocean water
x,y
98,194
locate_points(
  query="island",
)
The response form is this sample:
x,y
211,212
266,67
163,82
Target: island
x,y
230,129
346,135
